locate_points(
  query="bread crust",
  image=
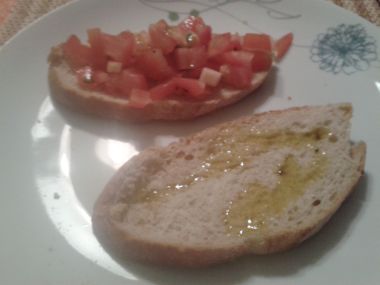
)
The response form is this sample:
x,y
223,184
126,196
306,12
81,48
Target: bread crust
x,y
65,90
122,244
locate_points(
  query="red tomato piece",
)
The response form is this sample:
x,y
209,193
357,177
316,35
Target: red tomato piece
x,y
190,58
179,36
197,26
139,98
193,87
262,61
154,65
236,41
122,84
101,77
119,48
98,55
220,44
77,54
160,37
204,34
282,45
130,80
190,23
192,73
163,90
142,42
239,58
252,42
236,76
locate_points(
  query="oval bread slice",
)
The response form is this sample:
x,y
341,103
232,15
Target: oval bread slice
x,y
65,90
257,185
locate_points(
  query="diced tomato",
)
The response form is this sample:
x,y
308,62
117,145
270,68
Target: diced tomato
x,y
139,98
192,73
220,44
122,84
119,48
236,41
198,26
163,90
154,65
181,59
236,76
131,80
160,37
239,58
262,61
253,42
179,36
282,45
204,34
193,87
190,23
76,54
101,77
142,42
190,58
98,55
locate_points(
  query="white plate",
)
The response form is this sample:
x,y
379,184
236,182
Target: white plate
x,y
54,163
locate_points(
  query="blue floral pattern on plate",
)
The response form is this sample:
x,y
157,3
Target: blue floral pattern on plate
x,y
344,49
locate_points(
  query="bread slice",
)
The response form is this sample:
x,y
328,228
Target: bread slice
x,y
65,90
257,185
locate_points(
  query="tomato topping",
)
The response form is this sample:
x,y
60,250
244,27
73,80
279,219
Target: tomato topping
x,y
253,42
131,80
220,44
170,60
98,55
262,61
154,65
282,45
190,58
160,37
163,90
197,26
76,54
239,58
139,98
119,48
142,42
193,87
236,41
122,84
236,76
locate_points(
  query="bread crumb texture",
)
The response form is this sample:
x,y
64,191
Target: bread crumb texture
x,y
259,184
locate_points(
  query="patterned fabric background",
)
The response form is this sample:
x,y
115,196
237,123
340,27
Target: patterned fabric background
x,y
16,14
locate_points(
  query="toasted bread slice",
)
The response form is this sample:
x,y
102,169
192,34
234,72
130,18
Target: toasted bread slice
x,y
66,90
257,185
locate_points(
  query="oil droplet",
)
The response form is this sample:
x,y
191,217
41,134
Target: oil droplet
x,y
251,211
231,151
